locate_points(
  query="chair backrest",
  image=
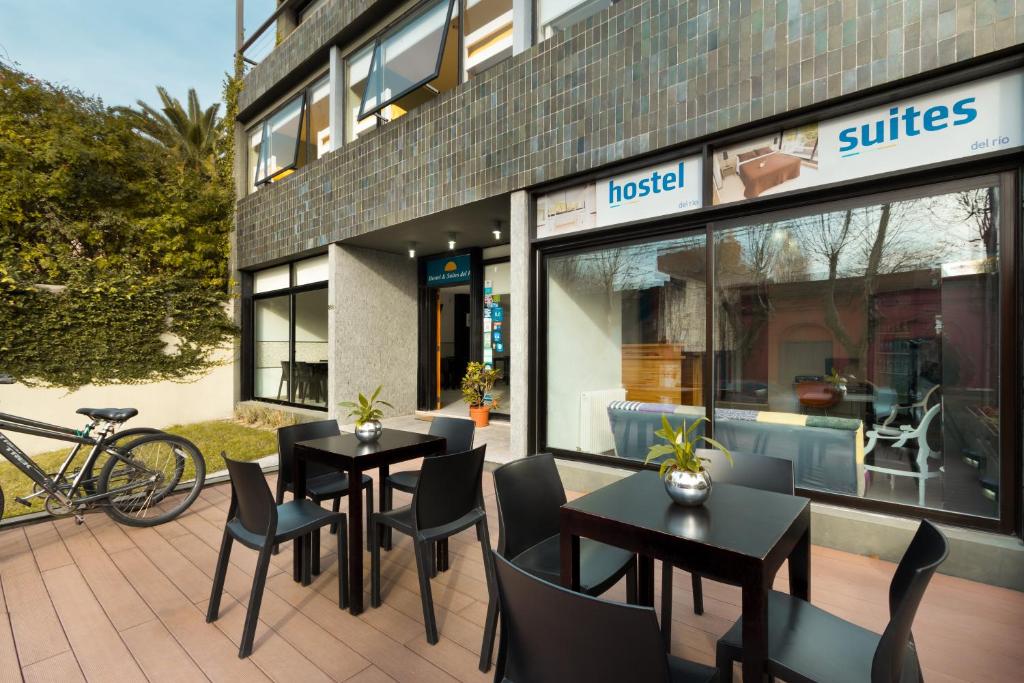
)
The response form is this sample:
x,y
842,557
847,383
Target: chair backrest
x,y
251,500
923,556
457,431
551,635
751,470
929,439
449,487
529,493
287,437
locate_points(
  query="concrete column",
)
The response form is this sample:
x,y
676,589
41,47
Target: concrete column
x,y
372,329
519,237
522,25
336,97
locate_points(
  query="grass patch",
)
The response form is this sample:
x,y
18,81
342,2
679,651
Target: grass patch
x,y
240,442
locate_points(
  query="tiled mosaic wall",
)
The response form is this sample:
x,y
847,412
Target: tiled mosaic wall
x,y
643,75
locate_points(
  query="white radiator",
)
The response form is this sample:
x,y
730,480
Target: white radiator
x,y
595,430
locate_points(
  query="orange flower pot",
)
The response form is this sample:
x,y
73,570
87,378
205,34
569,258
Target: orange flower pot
x,y
481,415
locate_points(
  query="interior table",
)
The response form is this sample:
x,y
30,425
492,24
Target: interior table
x,y
739,536
348,454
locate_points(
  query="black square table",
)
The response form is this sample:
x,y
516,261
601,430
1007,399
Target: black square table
x,y
348,454
739,536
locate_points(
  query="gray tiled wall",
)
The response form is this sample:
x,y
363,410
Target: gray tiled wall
x,y
643,75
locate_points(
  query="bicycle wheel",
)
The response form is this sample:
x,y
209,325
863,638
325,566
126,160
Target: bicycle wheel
x,y
90,482
143,481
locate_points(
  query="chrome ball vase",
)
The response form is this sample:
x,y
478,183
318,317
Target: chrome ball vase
x,y
369,431
687,488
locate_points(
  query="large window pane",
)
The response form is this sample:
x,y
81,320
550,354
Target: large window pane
x,y
497,326
625,343
319,119
488,34
310,370
255,139
280,142
408,57
271,325
862,344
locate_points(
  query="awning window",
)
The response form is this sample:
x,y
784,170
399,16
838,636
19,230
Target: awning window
x,y
279,141
407,57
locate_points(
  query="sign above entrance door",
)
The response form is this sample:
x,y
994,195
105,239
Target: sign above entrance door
x,y
661,190
451,270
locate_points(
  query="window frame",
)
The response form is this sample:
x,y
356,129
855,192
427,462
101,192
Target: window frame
x,y
261,157
249,335
403,22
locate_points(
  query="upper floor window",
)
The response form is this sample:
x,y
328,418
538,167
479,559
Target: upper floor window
x,y
556,15
413,62
307,11
487,34
292,136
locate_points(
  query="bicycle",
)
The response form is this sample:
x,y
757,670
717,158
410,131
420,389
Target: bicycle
x,y
142,475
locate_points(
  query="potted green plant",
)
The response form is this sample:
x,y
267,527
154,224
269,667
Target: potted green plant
x,y
686,480
367,412
476,385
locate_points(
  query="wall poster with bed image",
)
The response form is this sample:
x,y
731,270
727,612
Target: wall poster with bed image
x,y
787,160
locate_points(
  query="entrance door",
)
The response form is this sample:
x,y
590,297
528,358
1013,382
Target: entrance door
x,y
453,346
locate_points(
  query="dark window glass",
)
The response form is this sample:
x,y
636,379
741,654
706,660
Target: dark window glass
x,y
862,344
279,142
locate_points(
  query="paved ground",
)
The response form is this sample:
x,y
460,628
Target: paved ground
x,y
101,602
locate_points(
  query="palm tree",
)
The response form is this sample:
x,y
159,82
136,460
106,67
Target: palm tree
x,y
190,134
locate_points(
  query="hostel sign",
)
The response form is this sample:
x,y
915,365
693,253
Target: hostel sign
x,y
451,270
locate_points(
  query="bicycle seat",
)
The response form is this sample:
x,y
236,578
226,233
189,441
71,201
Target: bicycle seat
x,y
109,414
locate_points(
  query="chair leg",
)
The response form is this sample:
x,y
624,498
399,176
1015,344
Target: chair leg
x,y
423,551
375,564
342,562
491,624
632,597
307,560
335,508
314,558
213,610
698,593
252,615
724,663
369,511
385,505
666,604
278,499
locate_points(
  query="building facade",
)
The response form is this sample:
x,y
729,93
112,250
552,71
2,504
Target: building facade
x,y
798,220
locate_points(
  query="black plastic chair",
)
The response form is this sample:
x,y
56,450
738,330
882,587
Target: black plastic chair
x,y
529,494
256,522
748,469
448,499
551,635
808,644
322,483
459,434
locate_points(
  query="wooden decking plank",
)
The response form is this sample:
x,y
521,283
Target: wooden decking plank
x,y
47,545
38,633
160,656
61,668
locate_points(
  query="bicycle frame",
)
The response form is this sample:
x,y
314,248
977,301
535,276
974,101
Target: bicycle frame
x,y
31,469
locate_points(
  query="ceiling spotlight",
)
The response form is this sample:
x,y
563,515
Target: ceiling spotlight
x,y
412,250
497,234
451,240
497,230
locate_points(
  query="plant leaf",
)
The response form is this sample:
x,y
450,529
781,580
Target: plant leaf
x,y
662,471
696,423
716,445
376,393
657,451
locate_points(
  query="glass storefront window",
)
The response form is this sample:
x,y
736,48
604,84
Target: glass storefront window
x,y
271,325
488,34
272,279
625,344
863,344
497,327
310,371
557,15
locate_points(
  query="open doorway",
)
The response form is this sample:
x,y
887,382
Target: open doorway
x,y
453,334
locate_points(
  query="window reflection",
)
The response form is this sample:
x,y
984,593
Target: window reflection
x,y
488,34
863,344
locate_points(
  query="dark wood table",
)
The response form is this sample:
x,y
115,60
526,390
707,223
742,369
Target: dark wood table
x,y
739,536
347,454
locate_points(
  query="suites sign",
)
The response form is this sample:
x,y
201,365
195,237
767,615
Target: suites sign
x,y
662,190
955,123
453,270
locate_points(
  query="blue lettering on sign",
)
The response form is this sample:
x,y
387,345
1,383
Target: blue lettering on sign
x,y
656,183
908,123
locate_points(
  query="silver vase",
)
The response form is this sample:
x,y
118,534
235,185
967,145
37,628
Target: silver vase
x,y
688,488
369,431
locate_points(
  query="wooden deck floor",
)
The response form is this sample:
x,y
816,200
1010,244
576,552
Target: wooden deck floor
x,y
101,602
